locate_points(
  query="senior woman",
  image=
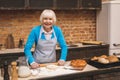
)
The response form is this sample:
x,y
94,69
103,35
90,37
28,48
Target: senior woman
x,y
45,37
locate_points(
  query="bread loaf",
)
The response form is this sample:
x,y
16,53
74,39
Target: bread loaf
x,y
113,58
103,60
78,63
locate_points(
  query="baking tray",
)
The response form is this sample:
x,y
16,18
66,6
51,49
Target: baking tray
x,y
102,65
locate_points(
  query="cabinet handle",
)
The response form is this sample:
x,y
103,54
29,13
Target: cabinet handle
x,y
116,45
116,54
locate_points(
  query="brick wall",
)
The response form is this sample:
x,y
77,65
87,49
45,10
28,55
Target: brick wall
x,y
77,25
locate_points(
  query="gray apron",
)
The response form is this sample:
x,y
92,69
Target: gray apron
x,y
45,51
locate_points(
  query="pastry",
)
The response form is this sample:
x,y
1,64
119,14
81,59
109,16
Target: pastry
x,y
78,63
103,60
94,58
113,58
104,56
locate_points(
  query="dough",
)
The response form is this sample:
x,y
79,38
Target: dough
x,y
51,66
24,71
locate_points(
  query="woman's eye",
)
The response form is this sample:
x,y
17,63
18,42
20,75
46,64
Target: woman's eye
x,y
45,18
48,19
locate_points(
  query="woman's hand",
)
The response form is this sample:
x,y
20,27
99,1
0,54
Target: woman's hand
x,y
35,65
61,62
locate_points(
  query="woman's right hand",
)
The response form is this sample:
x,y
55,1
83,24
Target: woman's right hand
x,y
35,65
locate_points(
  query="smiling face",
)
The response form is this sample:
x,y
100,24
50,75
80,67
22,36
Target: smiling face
x,y
48,19
47,23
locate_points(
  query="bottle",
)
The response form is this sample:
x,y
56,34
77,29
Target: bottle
x,y
21,43
6,74
14,75
10,42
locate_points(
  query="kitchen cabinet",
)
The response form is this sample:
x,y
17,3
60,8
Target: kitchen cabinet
x,y
53,4
12,4
85,51
67,4
90,4
41,4
108,76
50,4
97,51
10,57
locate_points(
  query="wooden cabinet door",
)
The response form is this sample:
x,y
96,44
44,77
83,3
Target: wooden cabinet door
x,y
41,4
66,4
12,4
90,4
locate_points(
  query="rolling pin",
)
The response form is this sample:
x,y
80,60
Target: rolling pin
x,y
44,65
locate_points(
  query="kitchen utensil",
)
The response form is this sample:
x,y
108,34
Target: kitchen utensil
x,y
44,65
73,68
92,42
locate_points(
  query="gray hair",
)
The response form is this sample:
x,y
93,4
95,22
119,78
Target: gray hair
x,y
48,13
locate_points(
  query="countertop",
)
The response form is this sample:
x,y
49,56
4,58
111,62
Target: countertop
x,y
15,50
66,74
60,71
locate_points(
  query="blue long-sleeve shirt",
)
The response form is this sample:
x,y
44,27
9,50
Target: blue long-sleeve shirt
x,y
33,39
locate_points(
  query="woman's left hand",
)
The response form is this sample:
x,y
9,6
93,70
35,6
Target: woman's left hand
x,y
61,62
